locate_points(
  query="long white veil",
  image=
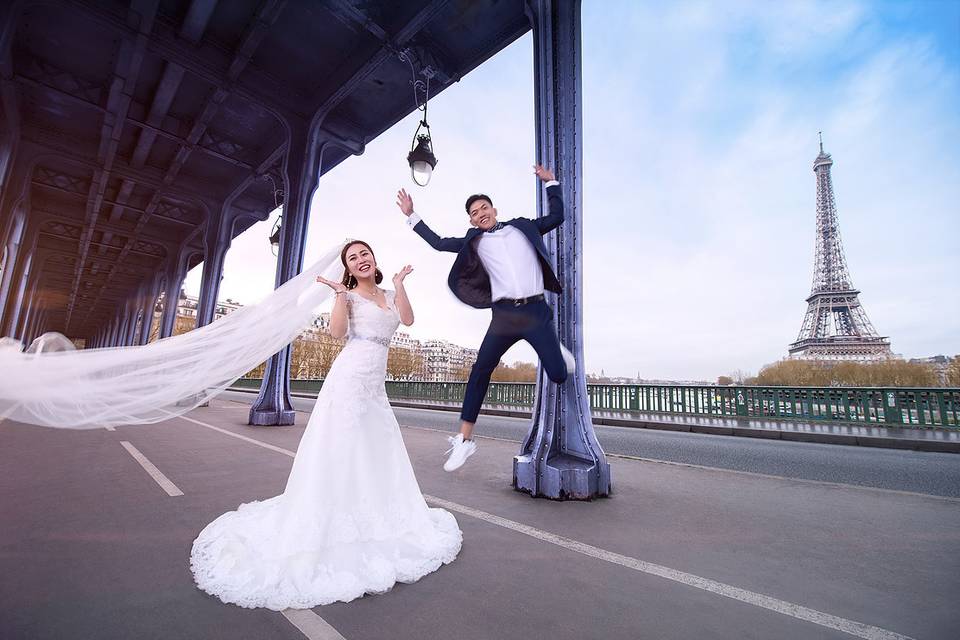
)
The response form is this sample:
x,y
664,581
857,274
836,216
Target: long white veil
x,y
88,388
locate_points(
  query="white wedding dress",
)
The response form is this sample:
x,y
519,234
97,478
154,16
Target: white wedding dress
x,y
352,519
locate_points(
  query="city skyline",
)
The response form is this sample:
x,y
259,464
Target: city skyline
x,y
699,203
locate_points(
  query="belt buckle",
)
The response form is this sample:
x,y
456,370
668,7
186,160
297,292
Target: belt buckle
x,y
518,302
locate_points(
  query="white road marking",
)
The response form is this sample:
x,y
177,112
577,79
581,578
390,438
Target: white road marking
x,y
311,625
753,474
150,468
109,428
858,629
225,432
827,620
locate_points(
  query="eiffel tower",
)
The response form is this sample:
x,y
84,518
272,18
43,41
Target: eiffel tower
x,y
835,326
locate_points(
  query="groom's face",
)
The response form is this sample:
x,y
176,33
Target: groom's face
x,y
482,214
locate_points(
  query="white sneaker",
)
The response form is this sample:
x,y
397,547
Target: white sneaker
x,y
569,360
459,451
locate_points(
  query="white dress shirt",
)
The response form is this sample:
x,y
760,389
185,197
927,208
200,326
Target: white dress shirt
x,y
510,260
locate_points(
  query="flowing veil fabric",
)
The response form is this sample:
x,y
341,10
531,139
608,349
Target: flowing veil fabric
x,y
89,388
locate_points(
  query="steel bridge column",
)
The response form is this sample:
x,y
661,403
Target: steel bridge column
x,y
14,242
133,312
176,272
560,457
125,328
146,309
18,294
301,168
29,311
115,330
217,243
123,318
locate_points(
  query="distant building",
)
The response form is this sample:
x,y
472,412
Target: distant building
x,y
940,364
187,307
446,361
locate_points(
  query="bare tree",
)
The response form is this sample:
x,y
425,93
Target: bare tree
x,y
892,372
953,372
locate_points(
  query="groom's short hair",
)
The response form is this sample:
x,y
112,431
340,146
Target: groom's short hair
x,y
475,197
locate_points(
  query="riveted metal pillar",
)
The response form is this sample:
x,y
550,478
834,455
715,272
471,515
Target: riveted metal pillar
x,y
560,457
115,331
146,310
18,295
301,168
133,314
133,325
168,317
28,311
217,243
176,272
124,325
35,326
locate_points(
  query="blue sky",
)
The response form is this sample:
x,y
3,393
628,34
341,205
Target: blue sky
x,y
700,130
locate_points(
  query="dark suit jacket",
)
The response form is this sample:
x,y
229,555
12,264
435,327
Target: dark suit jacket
x,y
468,279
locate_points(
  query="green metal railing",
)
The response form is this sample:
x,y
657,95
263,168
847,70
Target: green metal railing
x,y
862,405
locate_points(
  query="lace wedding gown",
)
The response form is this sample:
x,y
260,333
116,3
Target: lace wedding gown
x,y
352,519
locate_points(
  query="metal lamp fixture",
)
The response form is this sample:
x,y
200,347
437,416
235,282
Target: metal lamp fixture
x,y
421,158
275,236
275,231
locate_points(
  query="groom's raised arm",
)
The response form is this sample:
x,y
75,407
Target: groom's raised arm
x,y
554,217
405,202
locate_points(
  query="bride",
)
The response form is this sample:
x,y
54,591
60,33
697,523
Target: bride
x,y
351,519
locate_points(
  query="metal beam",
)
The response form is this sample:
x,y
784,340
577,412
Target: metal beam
x,y
118,205
140,14
257,87
156,129
266,15
62,147
50,215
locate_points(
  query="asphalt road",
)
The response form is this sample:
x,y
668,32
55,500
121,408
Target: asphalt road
x,y
895,469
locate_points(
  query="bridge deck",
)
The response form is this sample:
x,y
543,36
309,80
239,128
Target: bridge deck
x,y
91,546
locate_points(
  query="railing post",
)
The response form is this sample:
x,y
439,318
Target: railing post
x,y
892,413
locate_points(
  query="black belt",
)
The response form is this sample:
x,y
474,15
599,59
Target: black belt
x,y
517,302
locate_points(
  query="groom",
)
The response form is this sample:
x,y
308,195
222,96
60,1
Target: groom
x,y
503,266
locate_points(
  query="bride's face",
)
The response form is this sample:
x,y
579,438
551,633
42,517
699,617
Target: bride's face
x,y
360,261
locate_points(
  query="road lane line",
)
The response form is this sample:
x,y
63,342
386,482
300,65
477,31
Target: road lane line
x,y
226,432
857,629
150,468
311,625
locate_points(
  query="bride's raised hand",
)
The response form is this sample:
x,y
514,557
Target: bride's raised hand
x,y
398,278
338,287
